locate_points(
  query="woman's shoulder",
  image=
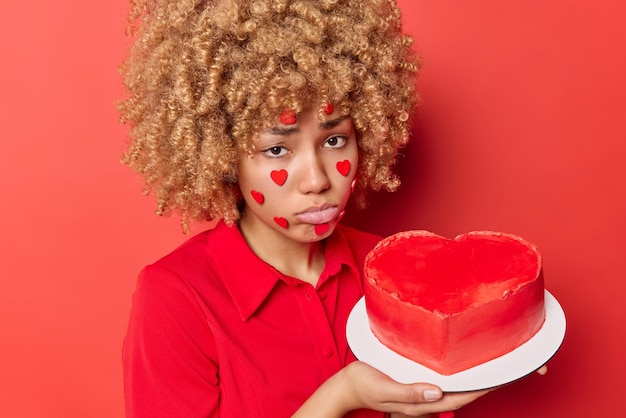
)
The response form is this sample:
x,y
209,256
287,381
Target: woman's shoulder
x,y
198,254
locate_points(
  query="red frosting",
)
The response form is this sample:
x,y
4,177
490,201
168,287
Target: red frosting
x,y
454,304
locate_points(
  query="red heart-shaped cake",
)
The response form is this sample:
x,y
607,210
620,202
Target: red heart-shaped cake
x,y
454,304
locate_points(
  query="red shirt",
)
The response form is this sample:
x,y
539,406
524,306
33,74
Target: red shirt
x,y
215,331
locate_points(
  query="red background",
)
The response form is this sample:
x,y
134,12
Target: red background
x,y
521,130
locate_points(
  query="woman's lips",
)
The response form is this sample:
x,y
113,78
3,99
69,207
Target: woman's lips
x,y
318,216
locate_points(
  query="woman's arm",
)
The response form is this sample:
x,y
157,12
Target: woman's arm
x,y
169,358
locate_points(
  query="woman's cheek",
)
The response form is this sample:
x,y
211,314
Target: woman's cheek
x,y
278,179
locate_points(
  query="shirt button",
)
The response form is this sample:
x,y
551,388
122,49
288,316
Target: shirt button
x,y
327,351
322,295
307,295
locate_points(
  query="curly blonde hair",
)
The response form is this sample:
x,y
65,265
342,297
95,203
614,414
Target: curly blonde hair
x,y
205,76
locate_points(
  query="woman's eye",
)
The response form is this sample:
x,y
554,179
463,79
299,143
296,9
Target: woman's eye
x,y
275,152
335,142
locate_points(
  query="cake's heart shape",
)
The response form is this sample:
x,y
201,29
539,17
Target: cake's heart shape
x,y
454,303
452,275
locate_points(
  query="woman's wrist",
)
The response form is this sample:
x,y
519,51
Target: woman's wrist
x,y
331,399
346,396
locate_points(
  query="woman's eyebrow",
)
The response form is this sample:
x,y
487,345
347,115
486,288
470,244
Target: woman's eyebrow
x,y
324,125
281,131
329,124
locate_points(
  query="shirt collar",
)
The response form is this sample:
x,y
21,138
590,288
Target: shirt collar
x,y
250,280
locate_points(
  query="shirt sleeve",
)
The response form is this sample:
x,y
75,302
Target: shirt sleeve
x,y
169,355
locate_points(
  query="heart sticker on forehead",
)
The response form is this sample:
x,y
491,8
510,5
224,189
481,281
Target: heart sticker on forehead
x,y
288,117
344,167
279,176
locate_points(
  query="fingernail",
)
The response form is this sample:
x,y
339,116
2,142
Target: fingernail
x,y
431,395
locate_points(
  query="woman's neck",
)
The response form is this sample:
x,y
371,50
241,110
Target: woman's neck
x,y
302,260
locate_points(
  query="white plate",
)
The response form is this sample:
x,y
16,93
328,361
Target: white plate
x,y
512,366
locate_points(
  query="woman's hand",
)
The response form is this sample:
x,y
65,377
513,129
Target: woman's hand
x,y
457,400
359,385
448,402
366,387
374,390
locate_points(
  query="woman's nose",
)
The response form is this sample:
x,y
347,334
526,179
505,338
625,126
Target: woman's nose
x,y
313,175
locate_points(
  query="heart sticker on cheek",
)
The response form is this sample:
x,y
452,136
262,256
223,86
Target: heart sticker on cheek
x,y
258,196
320,229
282,222
343,167
279,176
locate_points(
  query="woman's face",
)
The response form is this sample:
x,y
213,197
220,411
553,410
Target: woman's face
x,y
299,177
